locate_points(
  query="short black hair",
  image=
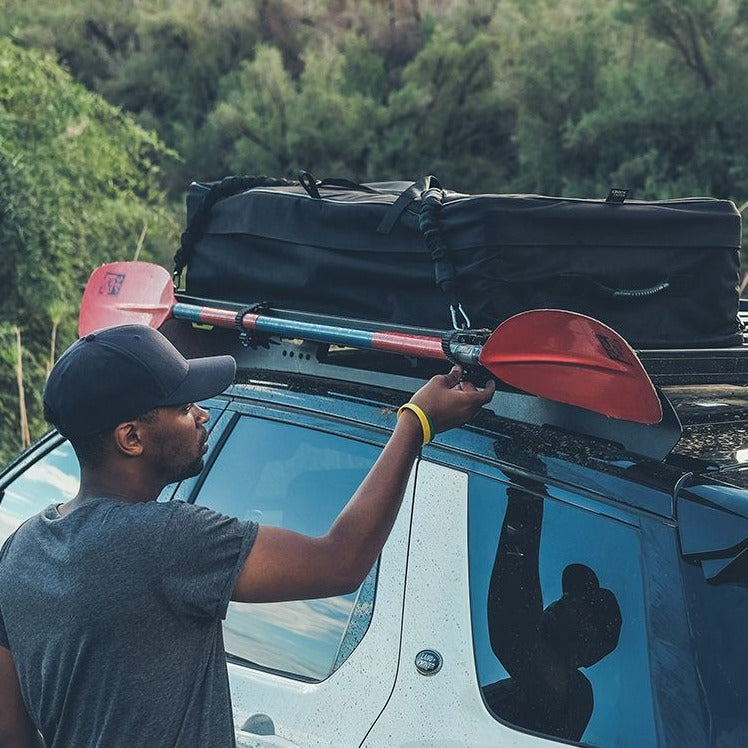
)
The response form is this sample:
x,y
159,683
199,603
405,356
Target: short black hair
x,y
90,449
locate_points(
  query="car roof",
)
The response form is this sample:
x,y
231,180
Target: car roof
x,y
704,432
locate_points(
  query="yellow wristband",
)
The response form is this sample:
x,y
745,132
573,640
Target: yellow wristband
x,y
426,427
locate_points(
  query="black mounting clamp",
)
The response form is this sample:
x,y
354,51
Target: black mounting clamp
x,y
254,339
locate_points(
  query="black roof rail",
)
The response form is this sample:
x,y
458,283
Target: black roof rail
x,y
694,366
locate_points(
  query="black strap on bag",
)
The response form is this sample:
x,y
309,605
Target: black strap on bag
x,y
198,224
578,285
429,191
414,192
312,185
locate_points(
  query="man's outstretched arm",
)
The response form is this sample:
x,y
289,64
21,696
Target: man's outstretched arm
x,y
285,565
515,601
16,728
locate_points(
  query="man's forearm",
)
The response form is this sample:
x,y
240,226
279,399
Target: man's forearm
x,y
285,565
364,524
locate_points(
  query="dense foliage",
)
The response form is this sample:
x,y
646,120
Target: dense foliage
x,y
566,96
553,96
79,185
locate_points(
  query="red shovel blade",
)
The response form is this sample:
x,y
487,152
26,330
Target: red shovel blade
x,y
126,293
573,359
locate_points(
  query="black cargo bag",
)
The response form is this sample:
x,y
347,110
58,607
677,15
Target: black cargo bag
x,y
663,274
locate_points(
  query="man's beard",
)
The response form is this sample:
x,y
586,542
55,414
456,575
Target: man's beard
x,y
189,471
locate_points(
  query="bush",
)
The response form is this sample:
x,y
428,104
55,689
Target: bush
x,y
79,183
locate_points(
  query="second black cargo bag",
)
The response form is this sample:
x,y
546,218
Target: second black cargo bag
x,y
664,274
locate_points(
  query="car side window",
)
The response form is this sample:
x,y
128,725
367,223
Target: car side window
x,y
53,479
297,478
558,617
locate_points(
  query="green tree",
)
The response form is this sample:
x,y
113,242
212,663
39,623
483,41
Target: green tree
x,y
449,117
161,60
641,94
268,123
552,57
687,87
78,180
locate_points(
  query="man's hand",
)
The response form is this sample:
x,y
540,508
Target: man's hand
x,y
16,728
285,565
449,402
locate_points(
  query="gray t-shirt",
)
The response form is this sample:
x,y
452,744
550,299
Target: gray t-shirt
x,y
113,616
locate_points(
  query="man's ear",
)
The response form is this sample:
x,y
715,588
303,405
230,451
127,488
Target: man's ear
x,y
127,438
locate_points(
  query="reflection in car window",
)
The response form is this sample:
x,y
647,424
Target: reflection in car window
x,y
558,617
299,479
53,479
717,614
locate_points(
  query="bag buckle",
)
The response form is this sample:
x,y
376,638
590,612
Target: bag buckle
x,y
463,323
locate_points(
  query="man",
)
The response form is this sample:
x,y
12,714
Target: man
x,y
111,604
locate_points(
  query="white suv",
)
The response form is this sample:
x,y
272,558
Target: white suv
x,y
445,643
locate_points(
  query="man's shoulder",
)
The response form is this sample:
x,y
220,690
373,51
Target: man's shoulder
x,y
101,517
116,510
183,509
182,514
180,517
26,528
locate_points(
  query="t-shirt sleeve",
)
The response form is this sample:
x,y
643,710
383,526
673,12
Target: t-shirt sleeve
x,y
201,555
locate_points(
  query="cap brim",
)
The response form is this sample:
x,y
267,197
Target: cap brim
x,y
206,377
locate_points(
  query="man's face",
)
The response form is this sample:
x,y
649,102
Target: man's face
x,y
177,441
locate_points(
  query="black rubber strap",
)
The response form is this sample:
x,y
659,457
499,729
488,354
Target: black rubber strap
x,y
309,183
444,270
445,275
576,284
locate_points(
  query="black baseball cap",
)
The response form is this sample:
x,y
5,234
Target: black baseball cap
x,y
119,373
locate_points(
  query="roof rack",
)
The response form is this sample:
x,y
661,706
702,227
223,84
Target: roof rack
x,y
666,367
694,366
564,356
406,373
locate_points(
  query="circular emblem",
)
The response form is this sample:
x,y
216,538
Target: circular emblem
x,y
428,662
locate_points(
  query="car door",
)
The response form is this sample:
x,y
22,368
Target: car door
x,y
458,675
315,672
